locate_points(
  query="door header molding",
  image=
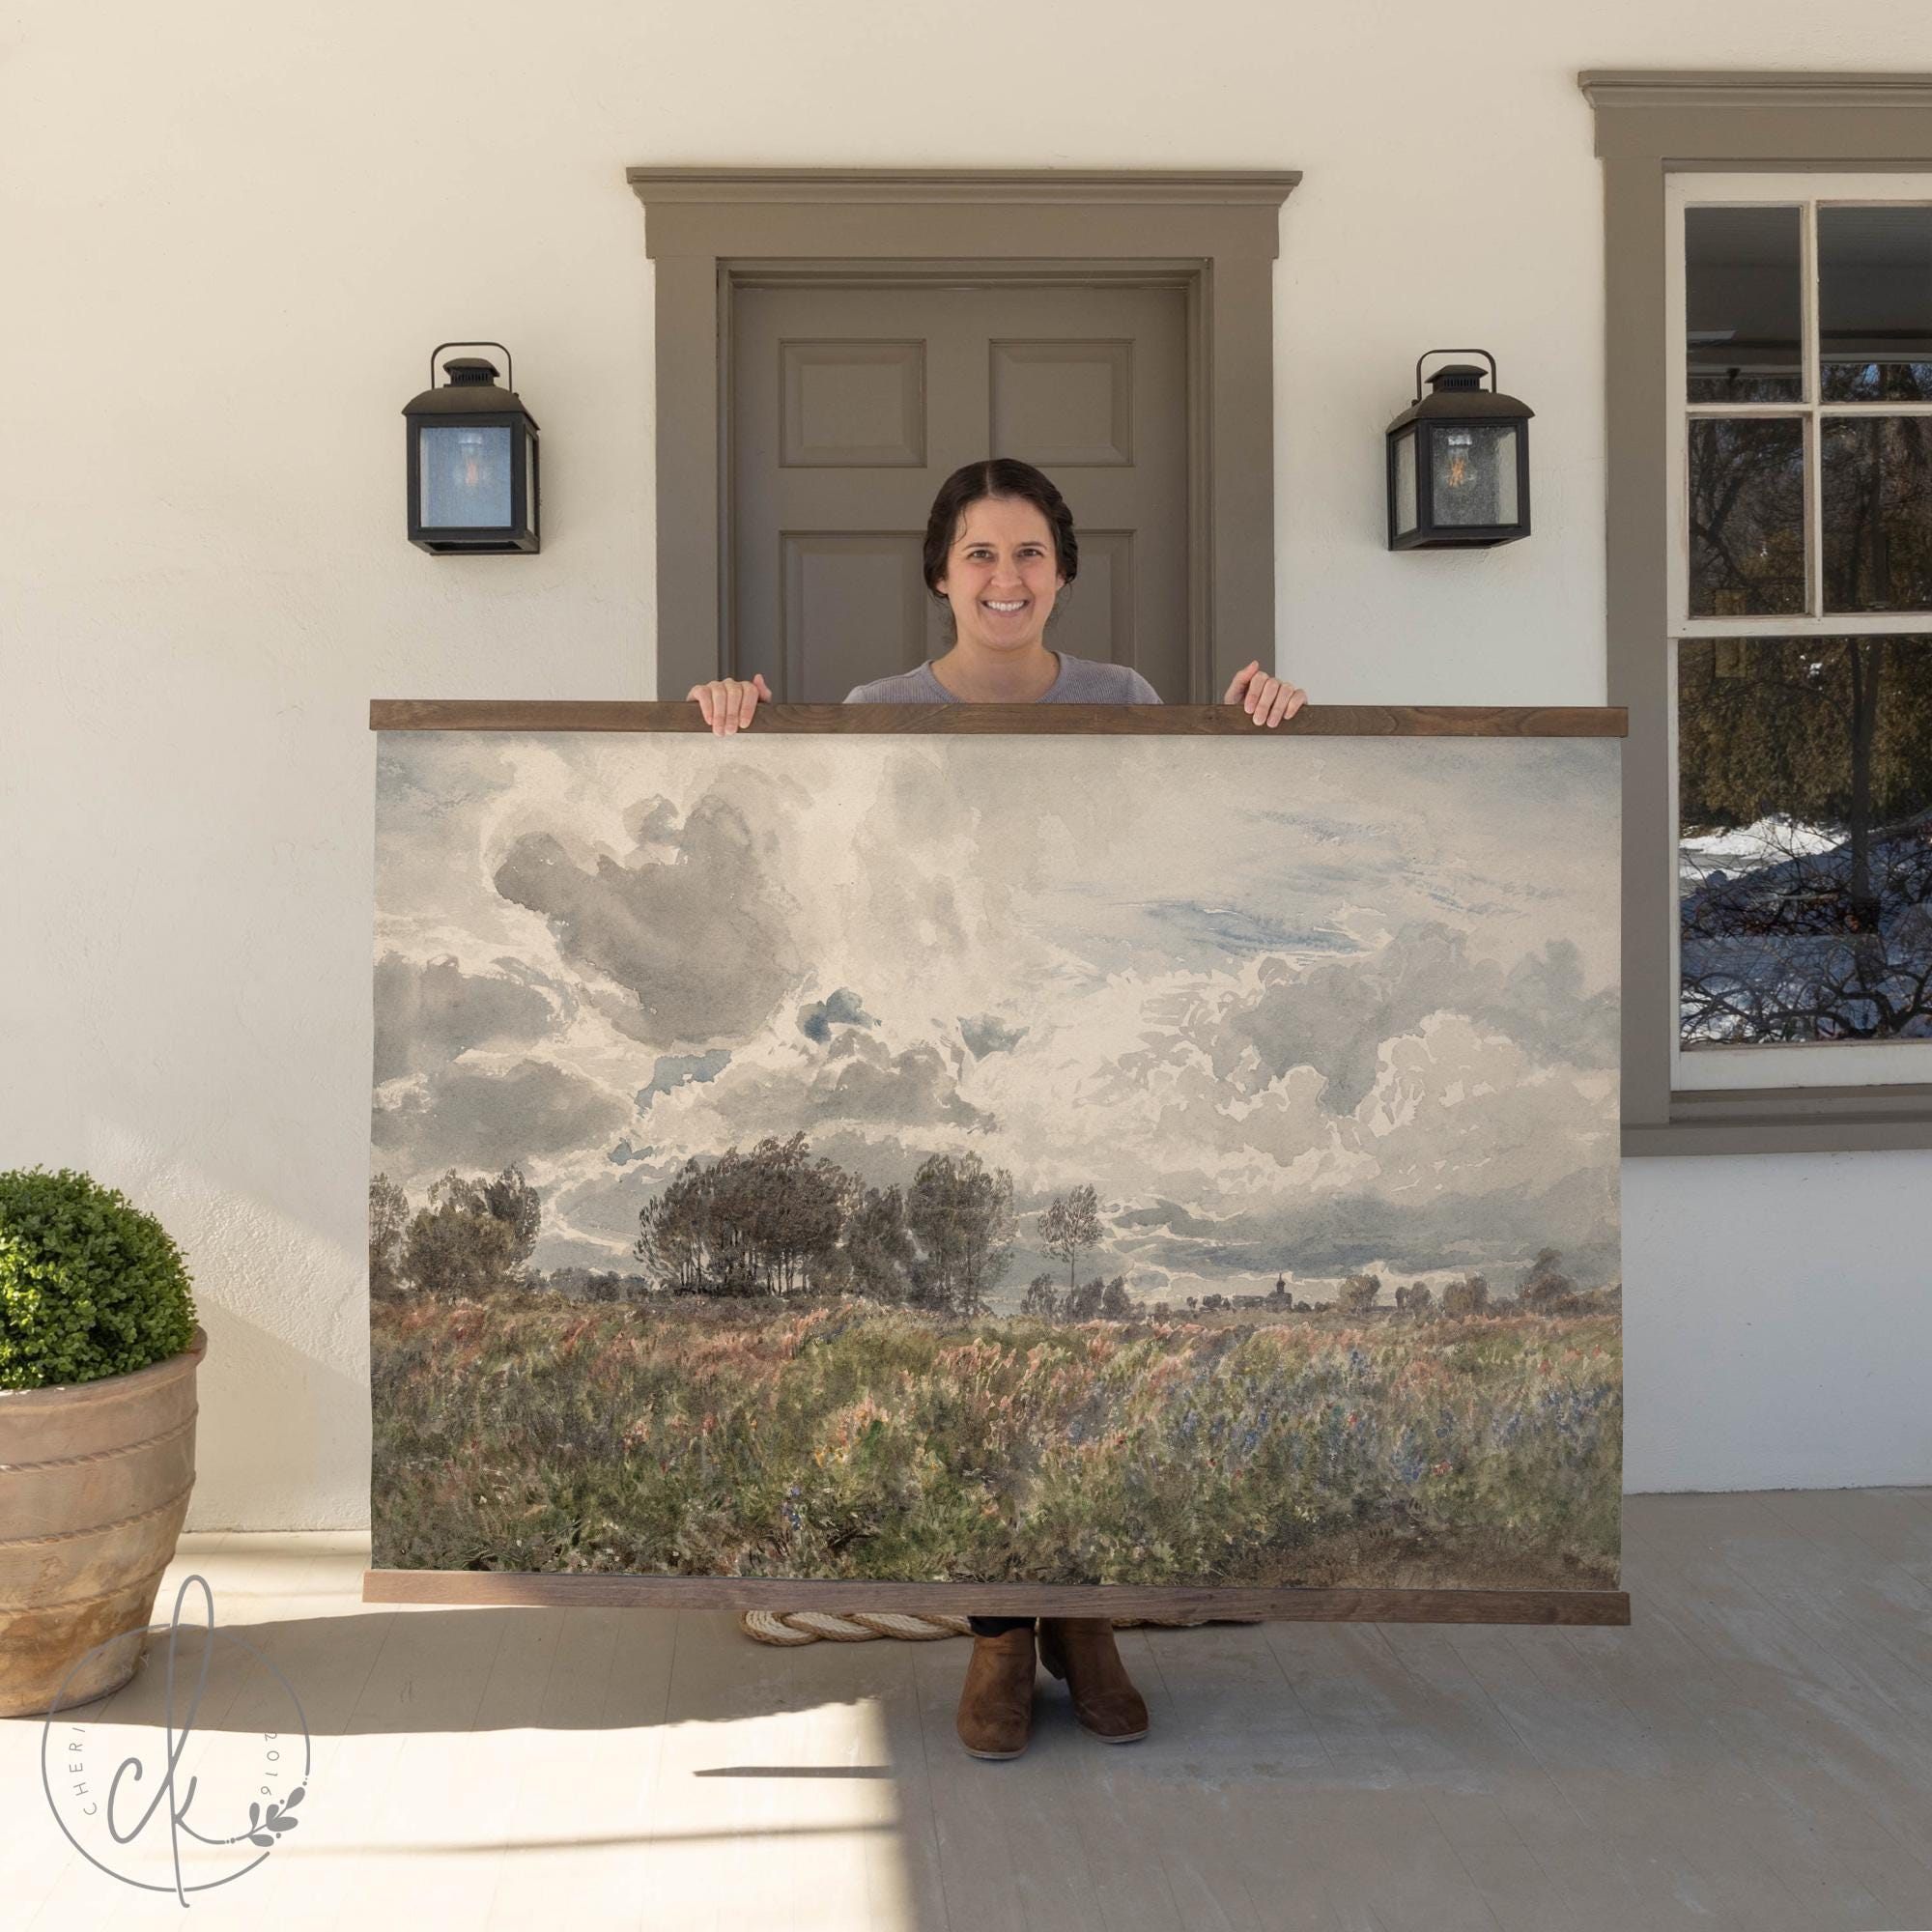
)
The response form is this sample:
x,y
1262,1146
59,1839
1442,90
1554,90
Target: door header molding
x,y
1263,188
711,230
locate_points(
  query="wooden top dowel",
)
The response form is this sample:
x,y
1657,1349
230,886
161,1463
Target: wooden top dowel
x,y
1313,720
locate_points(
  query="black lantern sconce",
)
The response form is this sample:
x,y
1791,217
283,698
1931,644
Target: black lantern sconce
x,y
1459,461
473,460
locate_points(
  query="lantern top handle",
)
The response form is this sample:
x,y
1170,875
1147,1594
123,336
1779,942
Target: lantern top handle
x,y
510,368
1495,379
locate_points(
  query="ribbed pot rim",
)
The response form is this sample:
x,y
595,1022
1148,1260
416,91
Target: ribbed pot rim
x,y
112,1388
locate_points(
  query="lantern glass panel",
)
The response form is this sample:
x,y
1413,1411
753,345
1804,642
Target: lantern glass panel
x,y
465,476
1472,474
1404,483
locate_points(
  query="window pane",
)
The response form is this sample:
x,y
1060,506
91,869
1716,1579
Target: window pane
x,y
1875,304
1804,839
1741,304
1746,516
1877,503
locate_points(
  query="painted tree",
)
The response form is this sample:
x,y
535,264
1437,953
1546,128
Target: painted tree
x,y
1545,1287
458,1247
766,1222
1042,1298
963,1219
514,1202
389,1229
798,1210
672,1232
1116,1303
879,1250
1083,1303
1070,1228
1359,1294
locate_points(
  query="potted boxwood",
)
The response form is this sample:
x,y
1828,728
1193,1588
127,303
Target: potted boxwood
x,y
99,1348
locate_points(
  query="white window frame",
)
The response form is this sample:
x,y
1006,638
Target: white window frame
x,y
1719,1067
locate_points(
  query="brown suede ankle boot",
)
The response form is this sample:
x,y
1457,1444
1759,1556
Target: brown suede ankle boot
x,y
996,1701
1082,1651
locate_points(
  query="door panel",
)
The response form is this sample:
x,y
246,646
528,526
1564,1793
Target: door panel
x,y
850,407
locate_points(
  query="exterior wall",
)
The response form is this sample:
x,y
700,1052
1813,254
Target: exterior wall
x,y
230,239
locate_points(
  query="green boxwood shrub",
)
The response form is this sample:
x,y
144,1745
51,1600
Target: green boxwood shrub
x,y
89,1285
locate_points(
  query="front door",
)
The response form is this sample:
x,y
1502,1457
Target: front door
x,y
851,406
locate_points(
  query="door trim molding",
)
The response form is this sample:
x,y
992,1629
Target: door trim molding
x,y
712,230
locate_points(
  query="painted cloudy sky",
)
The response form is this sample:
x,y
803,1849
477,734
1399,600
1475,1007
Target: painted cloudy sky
x,y
1305,1004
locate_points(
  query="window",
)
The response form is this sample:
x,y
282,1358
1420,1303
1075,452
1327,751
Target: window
x,y
1801,593
1766,428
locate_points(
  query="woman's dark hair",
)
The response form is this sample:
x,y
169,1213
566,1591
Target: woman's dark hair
x,y
997,476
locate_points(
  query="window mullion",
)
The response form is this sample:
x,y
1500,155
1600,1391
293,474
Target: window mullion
x,y
1811,388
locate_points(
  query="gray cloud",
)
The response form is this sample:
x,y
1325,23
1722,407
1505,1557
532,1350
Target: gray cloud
x,y
698,941
1335,1016
858,1083
1340,1233
479,1120
427,1015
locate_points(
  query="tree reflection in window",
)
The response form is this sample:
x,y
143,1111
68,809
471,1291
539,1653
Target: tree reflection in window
x,y
1877,505
1805,838
1746,516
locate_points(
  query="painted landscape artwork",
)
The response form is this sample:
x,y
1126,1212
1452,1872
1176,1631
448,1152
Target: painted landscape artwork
x,y
1152,1160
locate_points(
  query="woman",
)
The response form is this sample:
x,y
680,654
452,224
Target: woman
x,y
999,550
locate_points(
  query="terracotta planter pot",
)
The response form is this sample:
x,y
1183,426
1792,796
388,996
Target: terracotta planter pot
x,y
94,1488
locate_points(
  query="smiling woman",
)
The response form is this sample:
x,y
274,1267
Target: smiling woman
x,y
1000,551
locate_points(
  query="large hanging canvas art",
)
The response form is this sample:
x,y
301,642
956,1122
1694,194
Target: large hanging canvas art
x,y
1139,1156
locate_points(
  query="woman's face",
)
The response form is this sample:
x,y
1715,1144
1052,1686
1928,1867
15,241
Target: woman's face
x,y
1001,576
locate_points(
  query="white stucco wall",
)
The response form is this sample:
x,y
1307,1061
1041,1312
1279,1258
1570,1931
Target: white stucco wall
x,y
230,235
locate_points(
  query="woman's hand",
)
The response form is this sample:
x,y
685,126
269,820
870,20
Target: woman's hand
x,y
1268,700
728,703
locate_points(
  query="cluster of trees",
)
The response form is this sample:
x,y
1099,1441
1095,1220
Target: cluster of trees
x,y
1093,1300
775,1221
475,1237
1544,1288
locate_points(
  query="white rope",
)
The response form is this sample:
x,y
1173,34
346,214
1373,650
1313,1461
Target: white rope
x,y
795,1627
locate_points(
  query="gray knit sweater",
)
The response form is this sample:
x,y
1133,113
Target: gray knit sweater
x,y
1081,681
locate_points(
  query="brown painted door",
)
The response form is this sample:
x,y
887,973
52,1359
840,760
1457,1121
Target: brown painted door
x,y
851,406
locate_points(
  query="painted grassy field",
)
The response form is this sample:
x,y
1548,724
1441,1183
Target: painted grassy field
x,y
850,1441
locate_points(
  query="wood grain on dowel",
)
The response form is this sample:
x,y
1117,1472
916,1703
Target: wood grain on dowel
x,y
1313,720
538,1589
